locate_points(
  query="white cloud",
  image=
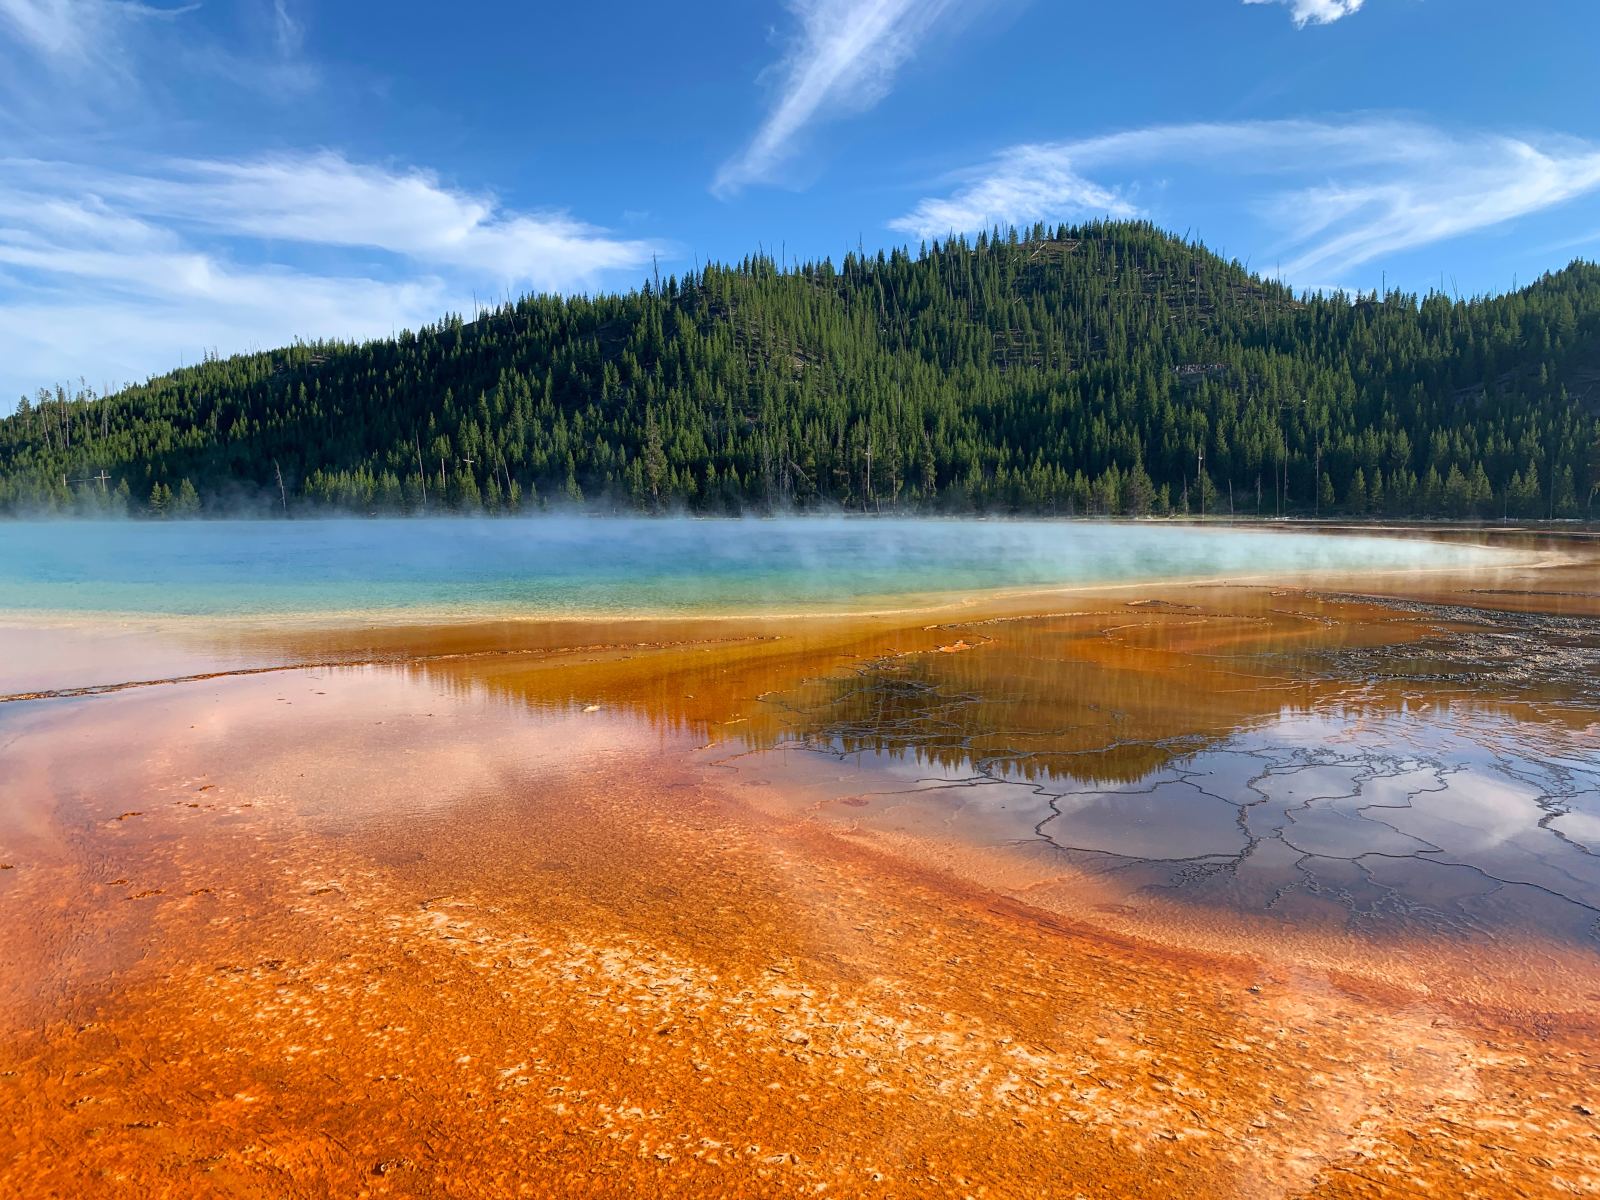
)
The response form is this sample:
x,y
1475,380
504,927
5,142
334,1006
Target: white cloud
x,y
325,199
1316,12
150,331
77,33
1023,185
118,275
844,60
287,29
1331,196
76,68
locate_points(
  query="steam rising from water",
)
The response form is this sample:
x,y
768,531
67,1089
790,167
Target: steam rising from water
x,y
617,566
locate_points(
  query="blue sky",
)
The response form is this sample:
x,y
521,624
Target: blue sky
x,y
183,178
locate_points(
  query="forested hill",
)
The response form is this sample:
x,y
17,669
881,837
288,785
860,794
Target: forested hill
x,y
1104,369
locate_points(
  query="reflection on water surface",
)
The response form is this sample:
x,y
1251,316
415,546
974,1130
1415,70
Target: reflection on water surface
x,y
1223,891
1224,757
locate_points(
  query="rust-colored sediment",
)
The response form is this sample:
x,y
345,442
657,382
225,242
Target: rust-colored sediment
x,y
429,928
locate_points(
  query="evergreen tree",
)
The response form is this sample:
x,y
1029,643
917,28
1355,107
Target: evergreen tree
x,y
186,503
1075,370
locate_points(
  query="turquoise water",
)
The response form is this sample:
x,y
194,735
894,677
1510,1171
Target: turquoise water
x,y
619,566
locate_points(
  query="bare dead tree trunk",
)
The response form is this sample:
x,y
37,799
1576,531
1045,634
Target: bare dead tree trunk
x,y
283,494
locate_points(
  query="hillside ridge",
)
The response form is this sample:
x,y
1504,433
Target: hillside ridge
x,y
1102,368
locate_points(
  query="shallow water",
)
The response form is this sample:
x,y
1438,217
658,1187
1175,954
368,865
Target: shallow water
x,y
1327,762
1216,890
624,566
1446,821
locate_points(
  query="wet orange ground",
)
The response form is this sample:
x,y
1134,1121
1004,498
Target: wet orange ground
x,y
549,910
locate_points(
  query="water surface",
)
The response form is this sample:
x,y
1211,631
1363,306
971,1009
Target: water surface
x,y
620,566
1248,889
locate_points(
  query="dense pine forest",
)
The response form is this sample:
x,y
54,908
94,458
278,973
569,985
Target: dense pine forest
x,y
1106,369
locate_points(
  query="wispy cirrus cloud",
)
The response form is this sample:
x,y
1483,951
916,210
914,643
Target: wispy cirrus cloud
x,y
1021,185
1328,196
1316,12
75,68
844,59
192,255
324,198
78,33
288,30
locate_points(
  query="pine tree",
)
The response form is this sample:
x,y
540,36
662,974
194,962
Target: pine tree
x,y
1047,371
1356,493
187,501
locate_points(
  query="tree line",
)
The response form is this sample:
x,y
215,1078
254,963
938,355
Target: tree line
x,y
1107,368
